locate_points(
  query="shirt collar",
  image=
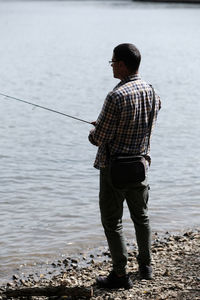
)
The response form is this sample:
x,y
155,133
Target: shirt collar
x,y
128,78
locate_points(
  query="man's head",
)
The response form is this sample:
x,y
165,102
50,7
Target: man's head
x,y
126,60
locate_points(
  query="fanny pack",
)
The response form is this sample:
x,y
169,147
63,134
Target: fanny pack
x,y
126,169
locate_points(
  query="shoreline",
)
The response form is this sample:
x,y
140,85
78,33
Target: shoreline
x,y
175,263
170,1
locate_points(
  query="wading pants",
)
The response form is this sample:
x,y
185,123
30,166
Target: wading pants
x,y
111,208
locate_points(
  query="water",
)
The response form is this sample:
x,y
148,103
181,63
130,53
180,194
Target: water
x,y
55,53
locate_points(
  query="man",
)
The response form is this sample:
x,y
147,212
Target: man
x,y
122,127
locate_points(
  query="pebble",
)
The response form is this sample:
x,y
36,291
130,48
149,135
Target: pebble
x,y
15,277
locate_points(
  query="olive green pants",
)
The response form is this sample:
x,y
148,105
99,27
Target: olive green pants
x,y
111,208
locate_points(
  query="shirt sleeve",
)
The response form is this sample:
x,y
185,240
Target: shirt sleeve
x,y
106,124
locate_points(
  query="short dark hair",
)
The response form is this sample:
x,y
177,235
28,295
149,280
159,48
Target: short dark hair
x,y
129,54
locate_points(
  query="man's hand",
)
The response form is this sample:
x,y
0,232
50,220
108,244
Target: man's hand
x,y
90,137
94,123
92,130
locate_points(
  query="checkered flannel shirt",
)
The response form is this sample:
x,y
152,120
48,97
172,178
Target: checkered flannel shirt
x,y
123,121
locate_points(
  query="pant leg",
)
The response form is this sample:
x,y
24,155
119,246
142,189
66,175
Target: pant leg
x,y
111,208
137,201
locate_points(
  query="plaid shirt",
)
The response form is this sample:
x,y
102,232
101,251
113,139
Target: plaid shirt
x,y
123,121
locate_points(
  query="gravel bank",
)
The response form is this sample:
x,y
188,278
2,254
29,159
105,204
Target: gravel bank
x,y
176,272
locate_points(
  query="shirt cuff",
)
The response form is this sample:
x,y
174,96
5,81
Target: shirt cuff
x,y
91,139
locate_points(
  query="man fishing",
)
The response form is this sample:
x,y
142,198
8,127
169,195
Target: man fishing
x,y
122,128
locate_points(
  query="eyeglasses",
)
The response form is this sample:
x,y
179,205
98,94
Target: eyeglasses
x,y
112,61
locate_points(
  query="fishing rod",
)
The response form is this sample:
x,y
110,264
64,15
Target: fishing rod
x,y
43,107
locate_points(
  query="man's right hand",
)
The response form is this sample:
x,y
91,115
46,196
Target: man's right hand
x,y
94,123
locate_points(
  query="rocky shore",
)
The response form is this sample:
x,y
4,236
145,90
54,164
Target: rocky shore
x,y
176,274
171,1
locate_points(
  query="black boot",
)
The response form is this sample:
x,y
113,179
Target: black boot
x,y
145,272
112,281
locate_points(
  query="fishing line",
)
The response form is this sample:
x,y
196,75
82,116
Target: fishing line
x,y
43,107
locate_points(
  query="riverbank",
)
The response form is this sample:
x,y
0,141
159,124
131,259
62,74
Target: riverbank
x,y
175,263
171,1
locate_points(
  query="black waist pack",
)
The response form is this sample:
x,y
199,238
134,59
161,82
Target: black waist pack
x,y
127,169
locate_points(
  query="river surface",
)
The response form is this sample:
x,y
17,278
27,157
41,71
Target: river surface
x,y
55,54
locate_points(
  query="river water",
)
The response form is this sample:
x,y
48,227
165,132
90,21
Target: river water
x,y
55,54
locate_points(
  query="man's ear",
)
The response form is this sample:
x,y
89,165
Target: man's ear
x,y
122,65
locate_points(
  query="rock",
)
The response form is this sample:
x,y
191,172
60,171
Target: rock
x,y
177,237
10,284
15,277
74,266
65,262
166,273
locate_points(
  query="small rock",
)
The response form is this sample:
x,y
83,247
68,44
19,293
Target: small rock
x,y
167,273
74,265
23,282
9,284
15,277
65,262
